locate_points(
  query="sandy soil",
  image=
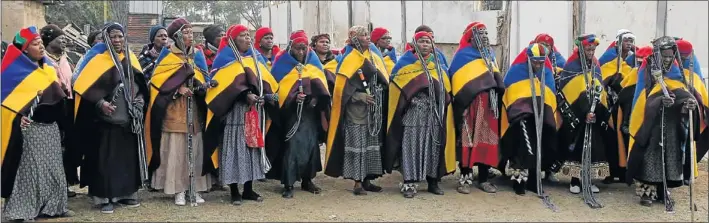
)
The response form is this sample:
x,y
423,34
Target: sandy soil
x,y
336,203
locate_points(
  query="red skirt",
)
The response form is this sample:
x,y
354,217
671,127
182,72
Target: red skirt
x,y
480,138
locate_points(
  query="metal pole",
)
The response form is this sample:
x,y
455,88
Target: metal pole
x,y
403,24
290,19
105,11
661,19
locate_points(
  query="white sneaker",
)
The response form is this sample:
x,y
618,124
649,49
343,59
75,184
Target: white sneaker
x,y
198,198
595,189
180,199
575,189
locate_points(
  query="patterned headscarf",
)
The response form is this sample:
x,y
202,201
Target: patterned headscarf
x,y
587,40
25,36
537,52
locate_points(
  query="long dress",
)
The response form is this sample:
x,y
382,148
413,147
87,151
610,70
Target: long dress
x,y
362,158
40,183
302,158
420,156
238,163
172,175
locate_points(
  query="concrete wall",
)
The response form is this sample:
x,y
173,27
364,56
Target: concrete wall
x,y
19,14
687,19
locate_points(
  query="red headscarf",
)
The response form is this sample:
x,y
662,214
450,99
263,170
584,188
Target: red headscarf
x,y
378,33
299,37
546,39
643,52
684,46
231,33
468,33
260,33
418,36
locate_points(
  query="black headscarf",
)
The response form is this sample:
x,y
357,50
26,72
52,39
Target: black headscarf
x,y
50,32
210,33
92,37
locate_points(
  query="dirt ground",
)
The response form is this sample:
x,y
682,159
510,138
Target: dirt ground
x,y
336,203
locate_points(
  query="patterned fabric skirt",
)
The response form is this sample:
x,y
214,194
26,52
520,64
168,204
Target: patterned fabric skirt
x,y
40,185
479,134
419,155
363,156
651,169
173,174
237,162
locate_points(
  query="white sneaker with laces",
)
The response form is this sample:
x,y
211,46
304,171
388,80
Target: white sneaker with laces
x,y
575,189
198,198
595,189
180,199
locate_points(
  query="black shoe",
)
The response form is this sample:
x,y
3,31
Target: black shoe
x,y
532,187
646,201
107,208
519,188
70,193
131,203
236,198
287,192
252,196
369,186
434,189
408,190
309,186
609,180
359,191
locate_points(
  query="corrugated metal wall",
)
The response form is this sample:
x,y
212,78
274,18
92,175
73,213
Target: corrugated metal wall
x,y
145,7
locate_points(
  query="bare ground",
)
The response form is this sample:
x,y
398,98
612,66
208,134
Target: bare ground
x,y
336,203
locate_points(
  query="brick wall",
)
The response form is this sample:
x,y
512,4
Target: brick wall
x,y
138,27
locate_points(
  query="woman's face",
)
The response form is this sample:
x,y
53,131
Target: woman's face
x,y
35,50
384,42
537,65
160,38
425,45
364,40
243,41
627,44
58,43
267,41
117,39
187,36
589,50
298,51
322,46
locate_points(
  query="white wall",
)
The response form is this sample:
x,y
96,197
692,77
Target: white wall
x,y
605,18
557,24
687,19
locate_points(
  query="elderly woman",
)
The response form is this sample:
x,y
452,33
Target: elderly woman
x,y
354,143
419,137
178,86
33,180
235,67
110,84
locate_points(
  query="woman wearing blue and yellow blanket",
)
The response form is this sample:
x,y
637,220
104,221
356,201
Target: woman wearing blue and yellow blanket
x,y
33,181
660,123
523,124
110,83
177,88
690,64
420,136
477,89
618,159
585,131
304,101
355,140
235,70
